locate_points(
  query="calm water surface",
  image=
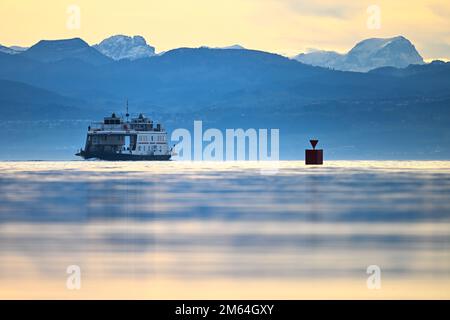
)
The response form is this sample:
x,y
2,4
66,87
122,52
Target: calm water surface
x,y
224,230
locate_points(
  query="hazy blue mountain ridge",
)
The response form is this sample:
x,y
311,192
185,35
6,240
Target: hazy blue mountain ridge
x,y
56,50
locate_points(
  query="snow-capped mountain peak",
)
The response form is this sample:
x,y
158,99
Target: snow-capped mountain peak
x,y
120,47
366,55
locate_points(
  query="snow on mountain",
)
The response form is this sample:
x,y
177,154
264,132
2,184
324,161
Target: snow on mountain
x,y
8,50
124,47
232,47
18,48
320,58
235,47
367,55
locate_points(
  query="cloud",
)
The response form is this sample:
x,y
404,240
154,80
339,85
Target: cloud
x,y
440,10
320,8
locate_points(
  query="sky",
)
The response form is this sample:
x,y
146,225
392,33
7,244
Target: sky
x,y
283,26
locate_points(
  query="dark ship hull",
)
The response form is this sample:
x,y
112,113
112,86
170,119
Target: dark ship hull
x,y
109,156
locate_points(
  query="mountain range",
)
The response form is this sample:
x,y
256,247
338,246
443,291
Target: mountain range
x,y
50,93
68,49
124,47
367,55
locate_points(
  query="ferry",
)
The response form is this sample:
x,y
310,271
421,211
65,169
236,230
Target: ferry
x,y
117,139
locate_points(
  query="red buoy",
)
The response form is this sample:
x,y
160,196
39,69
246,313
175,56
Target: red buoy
x,y
314,156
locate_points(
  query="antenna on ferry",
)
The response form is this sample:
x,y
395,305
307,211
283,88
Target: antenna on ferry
x,y
127,114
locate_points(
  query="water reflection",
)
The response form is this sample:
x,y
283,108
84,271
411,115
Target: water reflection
x,y
223,223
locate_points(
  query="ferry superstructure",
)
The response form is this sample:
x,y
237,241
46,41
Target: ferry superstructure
x,y
118,139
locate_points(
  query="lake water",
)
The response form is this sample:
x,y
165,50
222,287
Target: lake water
x,y
225,230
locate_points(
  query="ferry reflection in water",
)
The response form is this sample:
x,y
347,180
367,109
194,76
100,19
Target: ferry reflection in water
x,y
224,230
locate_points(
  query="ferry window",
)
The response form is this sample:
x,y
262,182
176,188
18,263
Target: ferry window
x,y
139,148
152,138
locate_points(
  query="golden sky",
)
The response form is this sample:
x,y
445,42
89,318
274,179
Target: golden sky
x,y
283,26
